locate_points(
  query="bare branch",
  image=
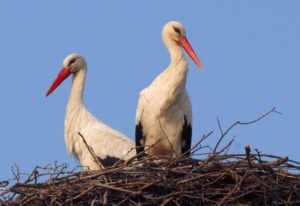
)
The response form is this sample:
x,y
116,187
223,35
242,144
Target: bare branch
x,y
223,134
91,151
174,151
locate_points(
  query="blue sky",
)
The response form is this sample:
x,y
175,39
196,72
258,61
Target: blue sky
x,y
250,51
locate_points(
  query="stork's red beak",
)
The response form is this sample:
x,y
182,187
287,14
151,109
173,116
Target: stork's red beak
x,y
63,74
183,41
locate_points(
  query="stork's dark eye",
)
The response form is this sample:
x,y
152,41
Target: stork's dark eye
x,y
72,61
177,30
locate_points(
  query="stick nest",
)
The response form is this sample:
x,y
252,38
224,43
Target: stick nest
x,y
220,179
216,178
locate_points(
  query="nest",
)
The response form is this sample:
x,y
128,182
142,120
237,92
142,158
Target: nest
x,y
238,179
251,178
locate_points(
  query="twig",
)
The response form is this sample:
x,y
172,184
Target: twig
x,y
138,155
248,150
195,147
117,189
90,149
174,151
223,134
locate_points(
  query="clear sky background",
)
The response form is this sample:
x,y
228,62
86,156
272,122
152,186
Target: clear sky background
x,y
250,51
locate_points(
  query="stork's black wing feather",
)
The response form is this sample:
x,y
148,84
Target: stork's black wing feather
x,y
139,138
186,137
109,161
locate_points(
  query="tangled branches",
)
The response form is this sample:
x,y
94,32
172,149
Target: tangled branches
x,y
251,178
220,179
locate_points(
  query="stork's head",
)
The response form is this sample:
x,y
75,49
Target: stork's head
x,y
175,31
74,62
71,65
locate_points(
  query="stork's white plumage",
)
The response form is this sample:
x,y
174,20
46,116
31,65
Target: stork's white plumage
x,y
108,144
164,113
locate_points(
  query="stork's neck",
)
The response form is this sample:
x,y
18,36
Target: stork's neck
x,y
173,79
76,97
176,54
176,73
74,107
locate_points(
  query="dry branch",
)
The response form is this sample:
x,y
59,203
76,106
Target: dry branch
x,y
91,151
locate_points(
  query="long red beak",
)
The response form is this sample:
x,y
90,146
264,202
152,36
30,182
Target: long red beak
x,y
63,74
183,41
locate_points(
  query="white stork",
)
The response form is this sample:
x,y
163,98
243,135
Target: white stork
x,y
108,144
164,113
